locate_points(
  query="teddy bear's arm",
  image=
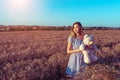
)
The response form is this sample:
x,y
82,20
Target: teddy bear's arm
x,y
95,47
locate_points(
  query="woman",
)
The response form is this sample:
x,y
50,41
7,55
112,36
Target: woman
x,y
75,63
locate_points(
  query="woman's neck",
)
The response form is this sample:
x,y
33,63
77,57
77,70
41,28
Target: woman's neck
x,y
80,36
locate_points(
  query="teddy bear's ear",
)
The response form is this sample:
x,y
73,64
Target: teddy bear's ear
x,y
85,36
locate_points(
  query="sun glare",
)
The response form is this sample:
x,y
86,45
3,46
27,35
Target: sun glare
x,y
23,10
18,5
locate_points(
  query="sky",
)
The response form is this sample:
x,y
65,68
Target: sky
x,y
60,12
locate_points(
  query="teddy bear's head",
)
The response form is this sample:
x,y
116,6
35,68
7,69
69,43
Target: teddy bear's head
x,y
88,39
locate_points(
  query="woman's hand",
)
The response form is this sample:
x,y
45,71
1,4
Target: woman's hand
x,y
82,47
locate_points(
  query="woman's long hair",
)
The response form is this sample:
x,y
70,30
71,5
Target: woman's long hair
x,y
72,34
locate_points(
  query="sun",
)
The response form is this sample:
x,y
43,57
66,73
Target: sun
x,y
18,5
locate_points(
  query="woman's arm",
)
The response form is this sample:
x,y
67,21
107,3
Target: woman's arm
x,y
70,50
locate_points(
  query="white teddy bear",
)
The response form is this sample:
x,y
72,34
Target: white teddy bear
x,y
88,49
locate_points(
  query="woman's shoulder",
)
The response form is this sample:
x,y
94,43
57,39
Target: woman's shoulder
x,y
70,39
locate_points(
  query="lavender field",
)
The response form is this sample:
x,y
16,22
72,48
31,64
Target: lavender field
x,y
41,55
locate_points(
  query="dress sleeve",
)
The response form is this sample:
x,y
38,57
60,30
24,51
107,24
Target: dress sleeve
x,y
70,39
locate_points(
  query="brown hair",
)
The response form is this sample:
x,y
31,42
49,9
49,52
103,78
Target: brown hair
x,y
72,34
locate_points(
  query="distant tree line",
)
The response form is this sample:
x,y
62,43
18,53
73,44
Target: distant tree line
x,y
101,28
34,27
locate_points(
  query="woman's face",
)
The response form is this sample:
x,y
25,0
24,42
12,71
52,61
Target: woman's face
x,y
76,29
